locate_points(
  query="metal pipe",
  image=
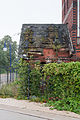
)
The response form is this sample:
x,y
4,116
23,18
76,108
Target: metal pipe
x,y
78,18
10,60
28,80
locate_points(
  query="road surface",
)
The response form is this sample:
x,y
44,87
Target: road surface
x,y
12,109
7,115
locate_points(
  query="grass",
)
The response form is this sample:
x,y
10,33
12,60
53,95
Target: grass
x,y
9,90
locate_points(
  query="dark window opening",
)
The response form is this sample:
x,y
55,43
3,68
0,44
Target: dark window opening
x,y
64,7
74,4
67,4
43,63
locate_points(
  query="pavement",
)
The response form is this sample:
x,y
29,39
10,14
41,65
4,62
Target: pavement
x,y
36,110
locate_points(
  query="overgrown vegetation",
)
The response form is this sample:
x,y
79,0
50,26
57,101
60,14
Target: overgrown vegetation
x,y
9,90
63,80
56,84
68,104
64,83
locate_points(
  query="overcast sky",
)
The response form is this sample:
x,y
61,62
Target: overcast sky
x,y
14,13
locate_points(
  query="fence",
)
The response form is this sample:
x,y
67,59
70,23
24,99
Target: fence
x,y
7,75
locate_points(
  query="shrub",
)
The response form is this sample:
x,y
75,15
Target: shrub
x,y
63,80
68,104
9,90
30,78
57,83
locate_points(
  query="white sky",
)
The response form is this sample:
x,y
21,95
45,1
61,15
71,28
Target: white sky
x,y
14,13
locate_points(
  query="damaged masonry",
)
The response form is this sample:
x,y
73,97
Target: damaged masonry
x,y
45,42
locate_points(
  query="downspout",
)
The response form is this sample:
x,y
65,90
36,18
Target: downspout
x,y
78,17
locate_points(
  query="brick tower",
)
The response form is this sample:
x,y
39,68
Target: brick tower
x,y
71,16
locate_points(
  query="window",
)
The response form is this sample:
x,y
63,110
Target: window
x,y
74,4
64,7
67,4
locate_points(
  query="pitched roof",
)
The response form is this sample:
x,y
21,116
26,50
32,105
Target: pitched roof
x,y
44,36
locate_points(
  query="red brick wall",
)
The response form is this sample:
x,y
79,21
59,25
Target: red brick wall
x,y
66,9
63,54
71,20
49,53
77,51
72,16
52,54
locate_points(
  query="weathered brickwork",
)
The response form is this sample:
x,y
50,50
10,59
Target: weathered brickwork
x,y
45,41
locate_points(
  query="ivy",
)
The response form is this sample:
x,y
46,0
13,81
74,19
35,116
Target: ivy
x,y
31,72
64,78
54,80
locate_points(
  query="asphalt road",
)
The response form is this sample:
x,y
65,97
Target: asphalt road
x,y
7,115
11,115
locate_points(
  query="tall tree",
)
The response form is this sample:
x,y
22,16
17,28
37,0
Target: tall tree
x,y
5,55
